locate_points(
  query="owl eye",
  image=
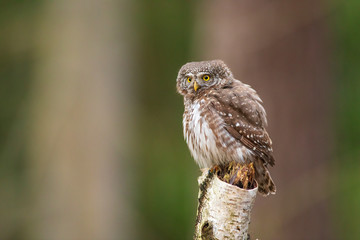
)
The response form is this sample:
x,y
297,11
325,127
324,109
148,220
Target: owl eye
x,y
206,77
189,79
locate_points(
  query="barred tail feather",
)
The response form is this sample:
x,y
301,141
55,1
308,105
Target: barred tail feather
x,y
263,178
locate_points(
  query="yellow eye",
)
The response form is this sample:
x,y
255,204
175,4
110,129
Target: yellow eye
x,y
189,79
206,77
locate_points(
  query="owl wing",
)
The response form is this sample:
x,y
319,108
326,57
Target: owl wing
x,y
245,119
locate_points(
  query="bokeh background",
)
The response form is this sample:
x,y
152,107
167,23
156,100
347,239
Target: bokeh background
x,y
91,143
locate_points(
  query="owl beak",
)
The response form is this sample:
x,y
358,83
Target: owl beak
x,y
196,86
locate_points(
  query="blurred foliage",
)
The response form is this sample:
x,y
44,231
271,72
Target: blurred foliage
x,y
167,175
347,34
17,24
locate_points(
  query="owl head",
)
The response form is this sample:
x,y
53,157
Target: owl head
x,y
196,77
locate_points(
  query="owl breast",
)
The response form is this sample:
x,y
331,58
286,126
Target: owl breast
x,y
209,142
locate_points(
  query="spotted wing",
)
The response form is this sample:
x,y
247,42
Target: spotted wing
x,y
245,119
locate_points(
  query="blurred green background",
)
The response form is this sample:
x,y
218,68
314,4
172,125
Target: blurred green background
x,y
91,143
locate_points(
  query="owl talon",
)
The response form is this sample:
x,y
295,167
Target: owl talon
x,y
242,175
215,169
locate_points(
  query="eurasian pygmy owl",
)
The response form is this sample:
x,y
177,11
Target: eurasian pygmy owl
x,y
224,120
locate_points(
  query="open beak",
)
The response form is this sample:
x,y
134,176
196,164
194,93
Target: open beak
x,y
196,86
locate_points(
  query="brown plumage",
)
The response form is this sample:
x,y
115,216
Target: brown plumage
x,y
224,120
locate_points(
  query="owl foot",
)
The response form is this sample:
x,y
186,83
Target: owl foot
x,y
244,174
241,175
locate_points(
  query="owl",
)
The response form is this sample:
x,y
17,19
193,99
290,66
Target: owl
x,y
224,120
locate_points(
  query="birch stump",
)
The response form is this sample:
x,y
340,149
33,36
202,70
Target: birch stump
x,y
224,209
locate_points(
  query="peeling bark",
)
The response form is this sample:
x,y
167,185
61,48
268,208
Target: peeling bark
x,y
223,210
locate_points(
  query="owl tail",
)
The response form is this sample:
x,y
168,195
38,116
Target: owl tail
x,y
263,178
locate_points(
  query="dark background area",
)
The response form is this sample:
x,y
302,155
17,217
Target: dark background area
x,y
91,143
